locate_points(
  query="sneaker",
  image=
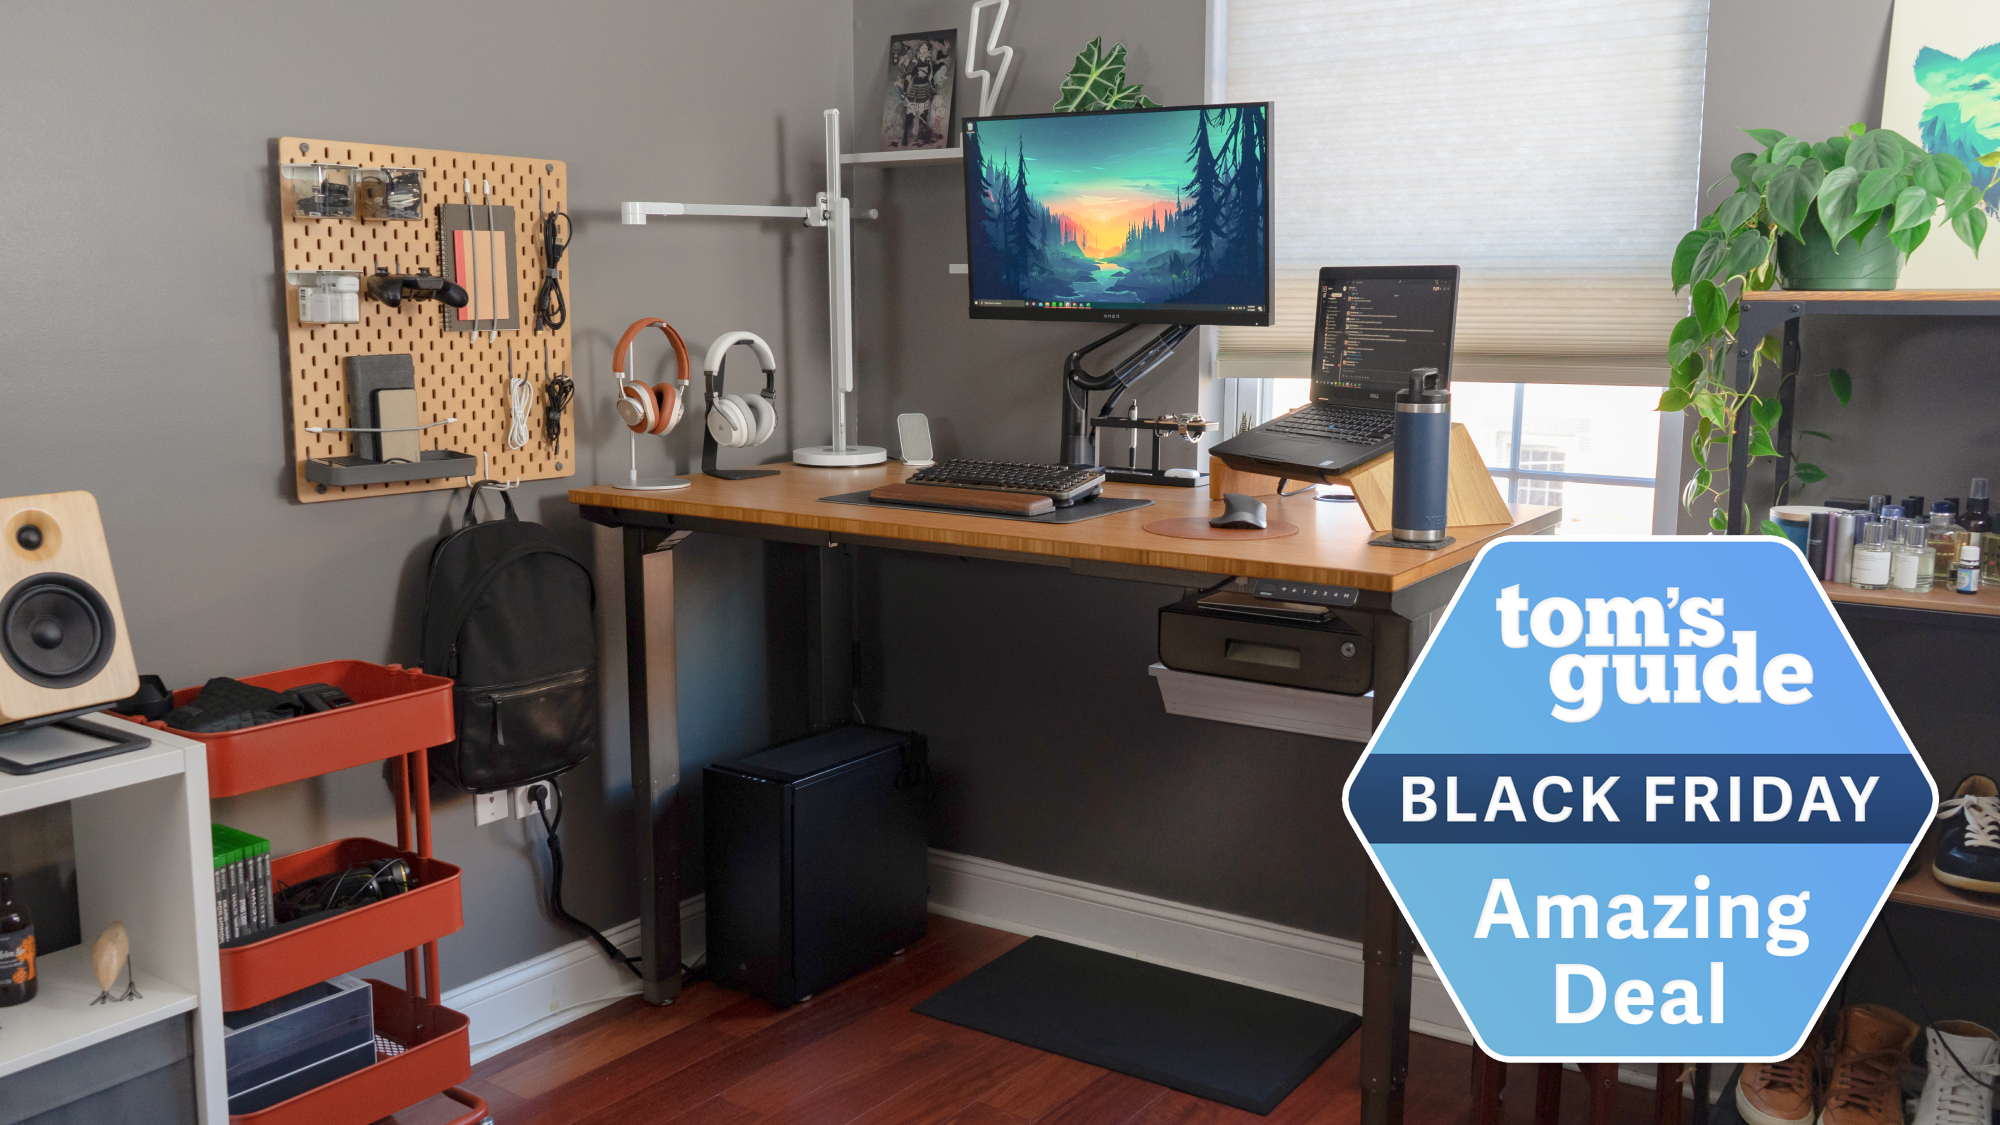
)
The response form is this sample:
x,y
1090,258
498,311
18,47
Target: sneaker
x,y
1968,852
1964,1060
1780,1093
1865,1086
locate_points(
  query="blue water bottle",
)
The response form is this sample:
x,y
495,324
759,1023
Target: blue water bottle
x,y
1423,458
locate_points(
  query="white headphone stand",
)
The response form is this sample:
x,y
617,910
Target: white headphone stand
x,y
636,483
835,213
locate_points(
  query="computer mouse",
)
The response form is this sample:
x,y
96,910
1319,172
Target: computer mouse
x,y
1240,511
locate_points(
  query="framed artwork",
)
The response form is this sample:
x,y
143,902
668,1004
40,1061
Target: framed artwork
x,y
916,113
1939,92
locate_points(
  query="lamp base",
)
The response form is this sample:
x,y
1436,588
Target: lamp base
x,y
826,456
648,484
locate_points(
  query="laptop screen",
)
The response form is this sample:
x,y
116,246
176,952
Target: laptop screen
x,y
1376,325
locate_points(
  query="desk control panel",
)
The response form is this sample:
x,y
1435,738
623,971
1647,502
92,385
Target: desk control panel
x,y
1279,590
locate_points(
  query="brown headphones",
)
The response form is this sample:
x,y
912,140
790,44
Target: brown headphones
x,y
657,408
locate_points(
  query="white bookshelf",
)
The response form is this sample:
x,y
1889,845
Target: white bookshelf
x,y
144,858
907,157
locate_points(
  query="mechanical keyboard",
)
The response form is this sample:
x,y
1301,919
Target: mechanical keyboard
x,y
1317,419
1064,484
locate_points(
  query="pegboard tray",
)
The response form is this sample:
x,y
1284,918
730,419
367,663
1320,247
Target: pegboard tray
x,y
359,470
455,376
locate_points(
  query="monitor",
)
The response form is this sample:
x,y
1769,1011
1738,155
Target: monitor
x,y
1378,323
1145,215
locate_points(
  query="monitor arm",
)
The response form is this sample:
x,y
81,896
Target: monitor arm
x,y
1078,383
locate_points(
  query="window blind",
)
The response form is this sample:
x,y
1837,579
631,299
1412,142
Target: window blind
x,y
1548,147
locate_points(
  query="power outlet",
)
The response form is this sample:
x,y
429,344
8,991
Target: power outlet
x,y
489,807
523,806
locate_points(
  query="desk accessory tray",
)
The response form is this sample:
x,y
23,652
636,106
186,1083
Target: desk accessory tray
x,y
1076,513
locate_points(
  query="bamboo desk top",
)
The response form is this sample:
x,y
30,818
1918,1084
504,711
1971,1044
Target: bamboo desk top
x,y
1331,547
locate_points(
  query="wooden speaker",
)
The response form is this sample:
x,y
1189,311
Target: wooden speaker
x,y
63,647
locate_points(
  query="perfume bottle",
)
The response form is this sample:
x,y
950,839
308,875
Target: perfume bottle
x,y
1977,517
1913,565
1869,569
17,948
1965,576
1945,537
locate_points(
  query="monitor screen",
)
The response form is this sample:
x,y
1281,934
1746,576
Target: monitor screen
x,y
1153,215
1377,324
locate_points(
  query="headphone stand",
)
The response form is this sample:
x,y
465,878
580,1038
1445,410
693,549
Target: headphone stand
x,y
633,482
710,448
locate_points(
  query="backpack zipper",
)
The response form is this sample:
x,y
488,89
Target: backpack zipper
x,y
534,687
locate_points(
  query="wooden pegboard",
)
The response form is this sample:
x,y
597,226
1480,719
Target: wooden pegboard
x,y
455,377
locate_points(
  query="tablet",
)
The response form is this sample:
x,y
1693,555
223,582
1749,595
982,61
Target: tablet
x,y
67,743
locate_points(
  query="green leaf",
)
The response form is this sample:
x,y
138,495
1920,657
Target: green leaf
x,y
1766,137
1828,155
1842,384
1738,209
1928,175
1741,164
1698,444
1702,477
1747,251
1094,78
1810,474
1913,205
1716,522
1761,175
1684,256
1766,411
1682,379
1709,257
1954,169
1836,202
1970,226
1960,198
1710,306
1817,434
1689,368
1909,238
1686,337
1673,401
1877,150
1688,495
1991,159
1770,527
1788,148
1856,129
1711,408
1760,443
1788,194
1867,223
1815,172
1878,189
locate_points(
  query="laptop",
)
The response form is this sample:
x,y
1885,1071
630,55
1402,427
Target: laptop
x,y
1375,324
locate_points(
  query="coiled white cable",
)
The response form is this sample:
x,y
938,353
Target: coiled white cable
x,y
520,396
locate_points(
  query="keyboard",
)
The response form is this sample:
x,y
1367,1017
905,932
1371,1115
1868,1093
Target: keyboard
x,y
1064,484
1317,419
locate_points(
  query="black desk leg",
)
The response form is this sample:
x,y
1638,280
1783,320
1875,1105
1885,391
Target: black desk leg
x,y
656,765
1387,946
830,637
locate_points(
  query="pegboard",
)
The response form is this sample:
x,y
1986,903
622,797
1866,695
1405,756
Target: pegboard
x,y
456,377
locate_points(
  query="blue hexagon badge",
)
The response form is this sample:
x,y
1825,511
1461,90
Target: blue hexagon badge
x,y
1640,800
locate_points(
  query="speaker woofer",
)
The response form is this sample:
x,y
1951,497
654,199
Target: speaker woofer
x,y
56,630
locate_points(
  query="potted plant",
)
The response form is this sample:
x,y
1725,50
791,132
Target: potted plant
x,y
1839,214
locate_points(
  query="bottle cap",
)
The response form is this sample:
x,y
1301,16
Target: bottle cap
x,y
1913,534
1978,490
1968,553
1891,511
1943,508
1872,533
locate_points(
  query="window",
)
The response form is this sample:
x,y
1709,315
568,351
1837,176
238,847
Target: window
x,y
1476,133
1590,450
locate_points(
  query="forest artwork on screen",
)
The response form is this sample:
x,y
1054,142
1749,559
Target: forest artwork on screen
x,y
1132,210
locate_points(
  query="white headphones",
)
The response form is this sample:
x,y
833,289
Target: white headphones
x,y
738,421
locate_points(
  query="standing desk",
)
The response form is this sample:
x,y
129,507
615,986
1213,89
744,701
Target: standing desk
x,y
1401,592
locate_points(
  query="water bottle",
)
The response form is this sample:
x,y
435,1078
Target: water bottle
x,y
1423,458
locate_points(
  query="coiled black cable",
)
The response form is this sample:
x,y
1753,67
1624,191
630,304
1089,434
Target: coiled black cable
x,y
550,311
560,390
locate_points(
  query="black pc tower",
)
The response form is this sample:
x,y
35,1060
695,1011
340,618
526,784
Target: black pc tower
x,y
816,858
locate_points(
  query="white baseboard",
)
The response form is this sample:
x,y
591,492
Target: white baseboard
x,y
1325,970
538,995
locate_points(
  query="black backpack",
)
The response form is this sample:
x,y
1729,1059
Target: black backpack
x,y
509,615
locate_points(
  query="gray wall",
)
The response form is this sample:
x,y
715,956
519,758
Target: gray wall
x,y
144,356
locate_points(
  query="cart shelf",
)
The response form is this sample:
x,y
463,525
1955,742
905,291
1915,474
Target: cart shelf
x,y
437,1055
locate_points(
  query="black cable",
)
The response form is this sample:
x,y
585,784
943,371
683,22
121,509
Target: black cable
x,y
560,390
1282,481
539,796
550,311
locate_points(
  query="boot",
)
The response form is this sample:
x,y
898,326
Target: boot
x,y
1865,1086
1951,1095
1780,1093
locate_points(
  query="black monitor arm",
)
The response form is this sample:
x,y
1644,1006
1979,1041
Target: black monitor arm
x,y
1078,383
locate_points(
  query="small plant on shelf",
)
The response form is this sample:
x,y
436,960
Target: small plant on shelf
x,y
1096,81
1842,213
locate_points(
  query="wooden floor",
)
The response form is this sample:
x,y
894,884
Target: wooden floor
x,y
856,1053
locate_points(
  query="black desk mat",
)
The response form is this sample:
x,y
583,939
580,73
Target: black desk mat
x,y
1075,513
1226,1042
